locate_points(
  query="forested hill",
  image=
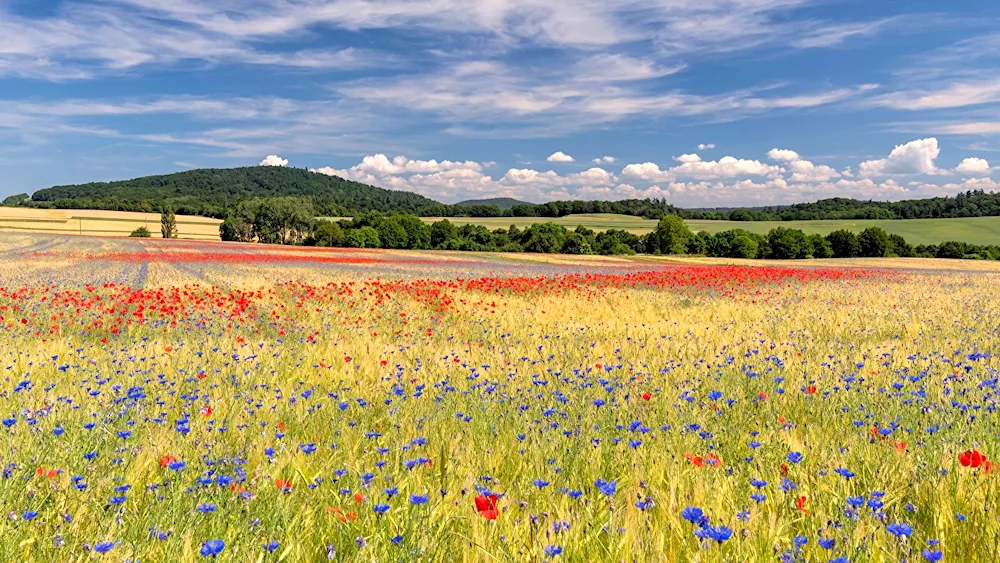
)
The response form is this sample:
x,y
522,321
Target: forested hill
x,y
210,192
501,202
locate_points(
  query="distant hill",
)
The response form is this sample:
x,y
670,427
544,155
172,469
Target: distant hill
x,y
501,202
209,192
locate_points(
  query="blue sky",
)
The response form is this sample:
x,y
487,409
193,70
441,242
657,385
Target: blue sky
x,y
701,102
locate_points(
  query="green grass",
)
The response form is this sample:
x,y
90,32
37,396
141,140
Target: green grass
x,y
975,230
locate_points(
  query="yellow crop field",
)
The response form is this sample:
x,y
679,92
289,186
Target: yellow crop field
x,y
105,223
171,400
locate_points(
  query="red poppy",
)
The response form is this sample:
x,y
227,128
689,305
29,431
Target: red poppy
x,y
811,390
901,447
800,503
784,470
206,410
487,506
646,396
359,498
971,458
167,460
284,485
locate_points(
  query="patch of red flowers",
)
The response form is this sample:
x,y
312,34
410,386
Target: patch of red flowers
x,y
487,506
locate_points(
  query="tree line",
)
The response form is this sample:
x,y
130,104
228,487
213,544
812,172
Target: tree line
x,y
290,221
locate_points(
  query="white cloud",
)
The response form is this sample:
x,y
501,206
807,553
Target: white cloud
x,y
974,167
803,170
274,160
684,158
605,160
725,167
955,95
782,155
704,147
915,157
560,156
648,171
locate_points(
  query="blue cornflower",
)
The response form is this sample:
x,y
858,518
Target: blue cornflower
x,y
794,457
553,550
418,499
104,546
694,515
211,548
271,546
933,555
606,487
380,508
827,543
719,533
541,483
900,529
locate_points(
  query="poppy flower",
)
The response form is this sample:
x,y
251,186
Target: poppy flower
x,y
487,506
359,498
811,390
800,503
166,460
206,410
284,485
646,396
971,458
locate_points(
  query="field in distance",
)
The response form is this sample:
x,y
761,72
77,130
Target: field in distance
x,y
974,230
105,223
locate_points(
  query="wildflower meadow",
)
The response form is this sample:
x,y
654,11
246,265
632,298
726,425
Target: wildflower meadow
x,y
178,400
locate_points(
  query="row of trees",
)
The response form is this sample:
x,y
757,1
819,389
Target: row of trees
x,y
289,221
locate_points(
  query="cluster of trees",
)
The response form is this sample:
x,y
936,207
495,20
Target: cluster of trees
x,y
782,243
284,220
976,203
372,230
277,220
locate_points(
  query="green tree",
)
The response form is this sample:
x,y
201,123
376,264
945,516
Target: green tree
x,y
364,237
391,233
671,235
544,238
787,244
743,246
168,224
844,243
441,232
327,233
873,242
899,247
417,231
821,247
141,232
951,249
15,200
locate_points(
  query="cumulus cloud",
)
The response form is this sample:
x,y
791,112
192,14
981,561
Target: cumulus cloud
x,y
974,167
560,156
605,160
274,160
915,157
802,169
704,147
684,158
782,155
725,167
